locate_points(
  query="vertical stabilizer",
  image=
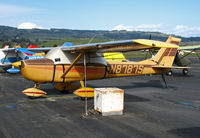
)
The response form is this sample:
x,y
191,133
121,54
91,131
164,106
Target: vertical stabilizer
x,y
166,56
173,40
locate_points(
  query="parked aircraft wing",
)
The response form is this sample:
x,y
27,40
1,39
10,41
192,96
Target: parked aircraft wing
x,y
196,47
42,49
119,46
114,56
114,46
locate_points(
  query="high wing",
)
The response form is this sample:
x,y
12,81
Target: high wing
x,y
119,46
114,46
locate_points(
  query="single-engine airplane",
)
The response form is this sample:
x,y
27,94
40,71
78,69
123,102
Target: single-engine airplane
x,y
65,65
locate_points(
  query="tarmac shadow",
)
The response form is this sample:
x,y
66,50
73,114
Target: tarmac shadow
x,y
191,132
53,91
145,84
151,83
133,98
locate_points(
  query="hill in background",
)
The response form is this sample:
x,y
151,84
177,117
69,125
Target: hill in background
x,y
54,37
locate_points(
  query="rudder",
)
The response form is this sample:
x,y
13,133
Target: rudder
x,y
166,56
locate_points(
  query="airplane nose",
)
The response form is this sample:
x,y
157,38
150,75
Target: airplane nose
x,y
17,64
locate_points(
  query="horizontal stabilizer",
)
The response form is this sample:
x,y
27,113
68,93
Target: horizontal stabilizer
x,y
170,67
120,46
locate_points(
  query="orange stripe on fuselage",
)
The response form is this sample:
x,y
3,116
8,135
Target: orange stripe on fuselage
x,y
43,68
94,70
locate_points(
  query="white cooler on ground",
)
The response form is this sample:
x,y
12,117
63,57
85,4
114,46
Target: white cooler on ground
x,y
109,101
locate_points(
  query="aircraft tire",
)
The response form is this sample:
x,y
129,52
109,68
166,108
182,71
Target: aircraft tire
x,y
185,71
83,98
169,73
64,91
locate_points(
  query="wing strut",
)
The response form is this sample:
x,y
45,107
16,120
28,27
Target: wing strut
x,y
73,63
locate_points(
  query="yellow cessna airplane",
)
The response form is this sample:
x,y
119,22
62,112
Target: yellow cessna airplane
x,y
65,65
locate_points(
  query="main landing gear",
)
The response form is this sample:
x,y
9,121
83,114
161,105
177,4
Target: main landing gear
x,y
82,92
184,71
169,73
66,87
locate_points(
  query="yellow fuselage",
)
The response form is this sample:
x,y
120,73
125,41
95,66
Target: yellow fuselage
x,y
44,70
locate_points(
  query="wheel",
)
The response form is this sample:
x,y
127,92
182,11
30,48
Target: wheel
x,y
82,98
169,73
37,85
185,71
64,91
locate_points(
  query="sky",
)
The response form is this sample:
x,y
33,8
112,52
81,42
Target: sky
x,y
180,17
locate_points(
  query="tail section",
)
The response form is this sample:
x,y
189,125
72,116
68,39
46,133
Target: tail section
x,y
173,40
166,56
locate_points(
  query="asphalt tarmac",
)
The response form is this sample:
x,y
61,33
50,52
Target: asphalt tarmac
x,y
151,110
